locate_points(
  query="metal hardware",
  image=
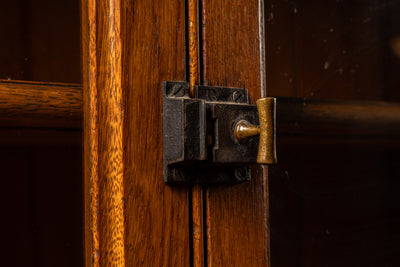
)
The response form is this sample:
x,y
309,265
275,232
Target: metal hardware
x,y
244,130
211,138
266,111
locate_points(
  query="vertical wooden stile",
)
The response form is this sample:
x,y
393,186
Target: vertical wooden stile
x,y
237,215
103,133
197,191
131,217
90,133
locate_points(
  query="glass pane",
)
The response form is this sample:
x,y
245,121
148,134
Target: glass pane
x,y
40,40
334,201
334,49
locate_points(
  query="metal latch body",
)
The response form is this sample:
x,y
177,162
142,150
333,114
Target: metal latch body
x,y
199,144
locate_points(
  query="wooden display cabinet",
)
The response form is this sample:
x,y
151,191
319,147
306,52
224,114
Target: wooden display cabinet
x,y
81,132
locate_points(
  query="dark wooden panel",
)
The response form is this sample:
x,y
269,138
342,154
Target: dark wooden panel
x,y
30,104
236,214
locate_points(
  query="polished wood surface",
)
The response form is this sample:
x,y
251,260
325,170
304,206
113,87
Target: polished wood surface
x,y
197,194
110,135
193,41
90,134
34,104
237,215
104,127
156,215
141,221
52,105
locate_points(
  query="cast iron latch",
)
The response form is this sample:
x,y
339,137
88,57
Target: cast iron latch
x,y
213,137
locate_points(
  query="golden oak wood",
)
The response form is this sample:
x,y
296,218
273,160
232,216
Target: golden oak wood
x,y
35,104
110,135
197,215
90,134
193,36
132,217
156,215
56,105
104,230
237,221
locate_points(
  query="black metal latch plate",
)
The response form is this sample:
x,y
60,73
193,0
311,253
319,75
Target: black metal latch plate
x,y
199,145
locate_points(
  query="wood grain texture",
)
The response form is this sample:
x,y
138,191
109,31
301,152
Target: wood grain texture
x,y
193,36
90,134
197,225
156,215
110,134
104,219
197,215
51,105
33,104
237,226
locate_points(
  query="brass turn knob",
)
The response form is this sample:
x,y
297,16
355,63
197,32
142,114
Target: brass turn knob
x,y
266,113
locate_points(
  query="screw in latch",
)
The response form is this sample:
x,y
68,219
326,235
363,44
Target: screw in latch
x,y
177,90
177,174
212,94
237,96
241,173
